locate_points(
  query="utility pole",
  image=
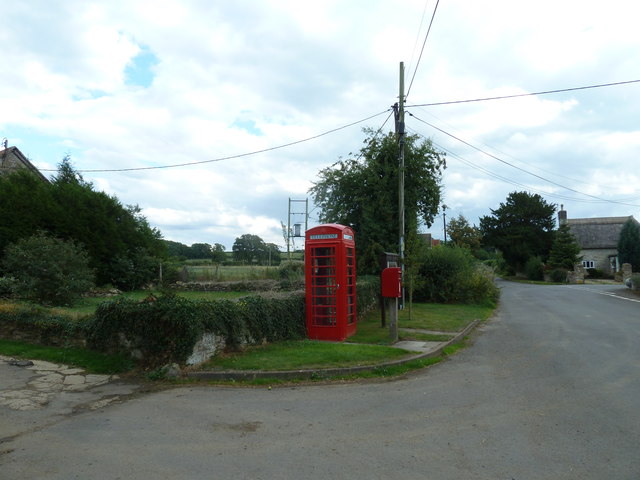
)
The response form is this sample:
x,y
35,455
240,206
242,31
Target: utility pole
x,y
444,219
400,133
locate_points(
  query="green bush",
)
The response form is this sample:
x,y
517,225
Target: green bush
x,y
38,325
595,273
452,275
558,275
291,270
48,270
635,281
166,329
534,269
7,286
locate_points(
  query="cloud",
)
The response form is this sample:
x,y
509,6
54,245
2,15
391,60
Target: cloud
x,y
122,85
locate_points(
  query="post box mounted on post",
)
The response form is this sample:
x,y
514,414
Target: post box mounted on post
x,y
391,290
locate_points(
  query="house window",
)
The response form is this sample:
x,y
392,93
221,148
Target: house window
x,y
588,264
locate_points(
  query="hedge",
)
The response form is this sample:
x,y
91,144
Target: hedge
x,y
165,329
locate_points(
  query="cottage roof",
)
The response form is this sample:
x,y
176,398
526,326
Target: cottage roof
x,y
597,232
11,159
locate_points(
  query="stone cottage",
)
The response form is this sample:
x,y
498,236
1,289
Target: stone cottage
x,y
12,159
598,239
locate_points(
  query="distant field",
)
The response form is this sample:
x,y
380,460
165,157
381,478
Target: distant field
x,y
223,273
87,306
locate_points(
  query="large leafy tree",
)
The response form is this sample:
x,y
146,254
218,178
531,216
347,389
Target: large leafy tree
x,y
565,249
362,192
629,244
463,234
522,227
121,244
249,248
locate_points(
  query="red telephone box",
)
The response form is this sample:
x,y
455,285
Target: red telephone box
x,y
330,282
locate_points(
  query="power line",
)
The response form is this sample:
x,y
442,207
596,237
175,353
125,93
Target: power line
x,y
422,49
547,92
519,168
526,163
231,156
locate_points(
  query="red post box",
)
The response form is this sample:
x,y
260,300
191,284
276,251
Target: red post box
x,y
391,282
330,282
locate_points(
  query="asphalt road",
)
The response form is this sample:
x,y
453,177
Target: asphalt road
x,y
550,389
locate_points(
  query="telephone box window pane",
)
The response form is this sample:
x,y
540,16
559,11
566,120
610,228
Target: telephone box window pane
x,y
324,252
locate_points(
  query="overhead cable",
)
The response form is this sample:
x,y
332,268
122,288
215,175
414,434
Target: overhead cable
x,y
547,92
520,168
240,155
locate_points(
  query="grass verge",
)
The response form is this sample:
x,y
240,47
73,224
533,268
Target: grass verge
x,y
308,354
92,362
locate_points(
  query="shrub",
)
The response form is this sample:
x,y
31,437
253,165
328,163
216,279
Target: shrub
x,y
451,275
166,329
35,324
291,270
48,270
635,281
595,273
558,275
7,286
534,269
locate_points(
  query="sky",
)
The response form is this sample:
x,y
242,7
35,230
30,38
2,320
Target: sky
x,y
211,115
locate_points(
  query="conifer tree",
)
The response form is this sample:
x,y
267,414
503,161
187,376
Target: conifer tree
x,y
564,250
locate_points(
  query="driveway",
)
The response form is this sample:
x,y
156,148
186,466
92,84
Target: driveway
x,y
549,390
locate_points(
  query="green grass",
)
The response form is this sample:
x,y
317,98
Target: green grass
x,y
92,362
425,316
443,317
292,355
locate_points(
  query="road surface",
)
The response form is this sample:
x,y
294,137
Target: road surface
x,y
549,389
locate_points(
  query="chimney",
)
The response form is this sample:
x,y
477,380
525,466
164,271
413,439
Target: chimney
x,y
562,215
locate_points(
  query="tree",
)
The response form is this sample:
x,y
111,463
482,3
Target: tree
x,y
248,248
462,234
218,254
520,228
48,270
565,249
629,244
70,208
362,192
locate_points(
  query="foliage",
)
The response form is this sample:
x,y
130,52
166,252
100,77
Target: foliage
x,y
629,244
165,329
558,275
635,281
462,234
251,248
291,270
215,252
565,249
520,228
362,192
71,209
595,273
40,325
48,270
452,275
7,286
534,269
